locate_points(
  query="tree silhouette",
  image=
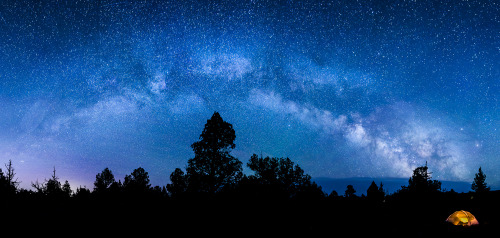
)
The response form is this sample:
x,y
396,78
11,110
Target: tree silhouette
x,y
82,193
66,189
137,182
381,190
333,195
420,181
375,193
350,192
178,183
479,185
282,174
52,188
103,181
212,167
5,188
8,185
39,187
10,174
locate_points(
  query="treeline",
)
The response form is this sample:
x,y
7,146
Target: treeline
x,y
215,173
273,178
212,195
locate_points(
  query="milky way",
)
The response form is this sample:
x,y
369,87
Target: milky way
x,y
343,88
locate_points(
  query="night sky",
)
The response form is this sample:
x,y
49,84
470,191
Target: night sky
x,y
343,88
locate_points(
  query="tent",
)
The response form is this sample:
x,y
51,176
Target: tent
x,y
462,218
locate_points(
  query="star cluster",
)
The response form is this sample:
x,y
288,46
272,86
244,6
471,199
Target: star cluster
x,y
344,88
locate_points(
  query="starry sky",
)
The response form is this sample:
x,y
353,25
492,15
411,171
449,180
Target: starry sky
x,y
343,88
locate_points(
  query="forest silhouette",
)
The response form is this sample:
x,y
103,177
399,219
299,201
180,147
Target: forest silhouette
x,y
212,196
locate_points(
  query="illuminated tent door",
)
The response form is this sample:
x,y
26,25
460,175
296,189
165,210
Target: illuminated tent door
x,y
462,218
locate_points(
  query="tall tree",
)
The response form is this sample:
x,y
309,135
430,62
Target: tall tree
x,y
10,174
8,185
53,186
212,167
479,184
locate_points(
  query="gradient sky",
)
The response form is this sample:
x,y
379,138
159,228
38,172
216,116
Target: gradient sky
x,y
343,88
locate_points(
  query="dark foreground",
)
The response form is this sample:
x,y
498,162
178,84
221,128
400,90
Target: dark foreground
x,y
238,217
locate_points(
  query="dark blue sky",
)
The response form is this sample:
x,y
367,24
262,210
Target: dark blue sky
x,y
343,88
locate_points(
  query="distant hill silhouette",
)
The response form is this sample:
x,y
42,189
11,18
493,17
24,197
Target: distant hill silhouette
x,y
391,185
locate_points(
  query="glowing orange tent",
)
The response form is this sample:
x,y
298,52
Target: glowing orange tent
x,y
462,218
